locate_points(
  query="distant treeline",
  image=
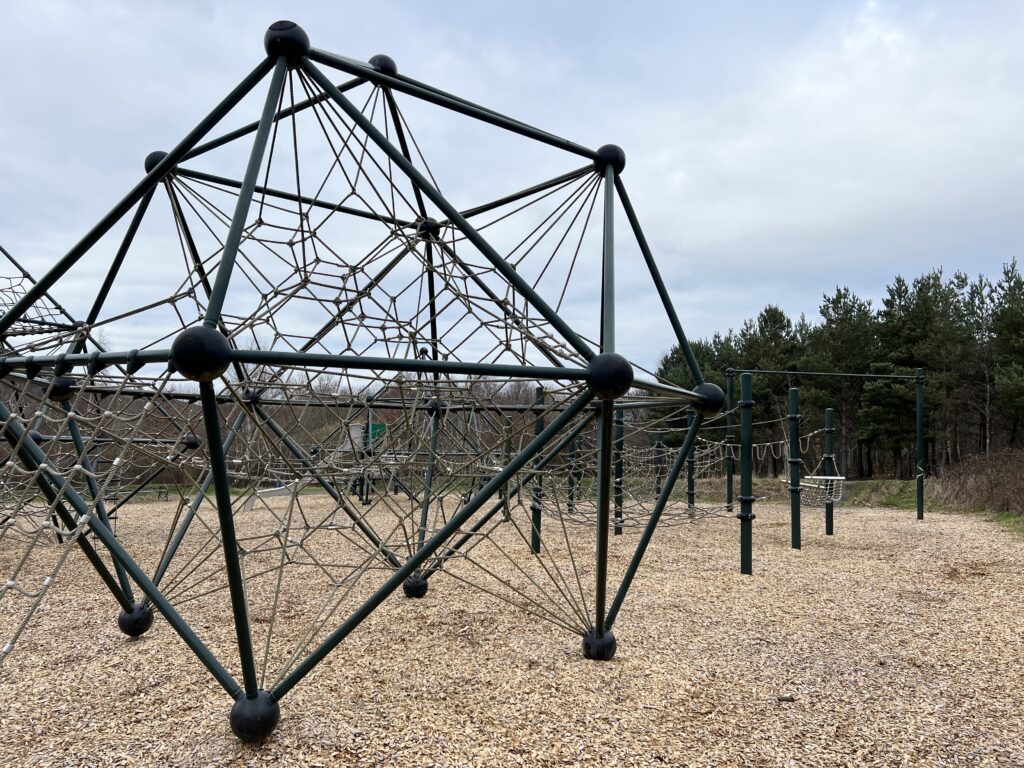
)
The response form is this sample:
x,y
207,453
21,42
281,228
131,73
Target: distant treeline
x,y
967,335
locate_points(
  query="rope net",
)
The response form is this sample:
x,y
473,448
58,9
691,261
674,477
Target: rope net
x,y
336,476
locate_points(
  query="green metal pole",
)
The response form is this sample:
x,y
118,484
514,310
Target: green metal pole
x,y
457,521
691,492
252,170
197,500
232,563
794,467
420,181
730,438
619,445
659,284
746,497
604,471
46,282
33,457
537,492
830,467
97,497
919,380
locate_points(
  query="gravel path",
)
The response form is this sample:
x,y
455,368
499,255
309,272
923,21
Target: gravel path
x,y
892,643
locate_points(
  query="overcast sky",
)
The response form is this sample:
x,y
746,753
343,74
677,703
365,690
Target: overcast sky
x,y
775,150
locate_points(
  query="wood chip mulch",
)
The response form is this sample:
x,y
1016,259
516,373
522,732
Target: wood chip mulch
x,y
893,643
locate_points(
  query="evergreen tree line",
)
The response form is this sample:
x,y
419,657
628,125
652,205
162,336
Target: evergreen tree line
x,y
967,335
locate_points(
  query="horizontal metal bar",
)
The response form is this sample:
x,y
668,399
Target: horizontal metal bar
x,y
223,181
668,389
911,377
101,359
359,362
446,100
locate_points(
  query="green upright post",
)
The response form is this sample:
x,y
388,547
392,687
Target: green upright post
x,y
829,466
730,437
536,510
919,379
225,515
574,481
794,466
619,440
746,514
691,494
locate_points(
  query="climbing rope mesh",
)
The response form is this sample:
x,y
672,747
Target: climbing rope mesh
x,y
337,477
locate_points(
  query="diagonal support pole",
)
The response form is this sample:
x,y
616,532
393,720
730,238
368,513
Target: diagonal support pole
x,y
234,236
456,218
135,195
435,542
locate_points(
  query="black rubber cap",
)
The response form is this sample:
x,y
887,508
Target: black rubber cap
x,y
288,39
200,353
428,228
384,64
609,375
254,719
153,160
714,399
599,648
135,622
415,587
612,155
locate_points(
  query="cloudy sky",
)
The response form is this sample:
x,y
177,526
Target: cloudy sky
x,y
775,150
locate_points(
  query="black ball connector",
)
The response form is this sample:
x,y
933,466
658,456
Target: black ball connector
x,y
610,154
436,406
153,160
599,648
609,375
190,443
714,399
384,64
252,720
424,353
200,353
135,622
427,228
415,587
37,437
62,389
288,39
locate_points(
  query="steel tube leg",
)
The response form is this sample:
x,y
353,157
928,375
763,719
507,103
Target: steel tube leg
x,y
746,514
794,467
830,468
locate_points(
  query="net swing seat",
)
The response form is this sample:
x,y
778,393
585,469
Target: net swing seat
x,y
822,489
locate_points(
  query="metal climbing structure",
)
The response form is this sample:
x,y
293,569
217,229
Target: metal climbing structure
x,y
335,380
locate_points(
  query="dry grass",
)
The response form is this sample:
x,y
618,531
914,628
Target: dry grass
x,y
892,643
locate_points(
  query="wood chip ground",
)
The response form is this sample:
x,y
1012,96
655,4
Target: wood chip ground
x,y
893,643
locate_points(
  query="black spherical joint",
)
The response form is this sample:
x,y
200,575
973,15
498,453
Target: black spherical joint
x,y
609,375
37,437
288,39
714,399
384,64
62,389
437,406
153,160
612,155
190,443
599,648
415,587
254,719
200,353
427,228
136,621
